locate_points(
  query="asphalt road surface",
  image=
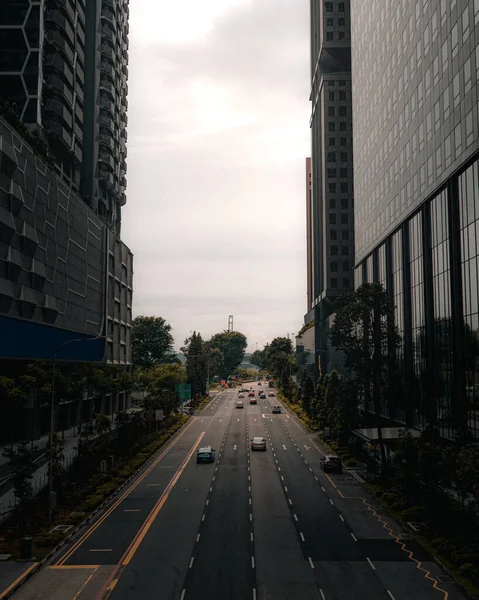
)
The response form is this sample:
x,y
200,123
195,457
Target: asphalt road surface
x,y
252,526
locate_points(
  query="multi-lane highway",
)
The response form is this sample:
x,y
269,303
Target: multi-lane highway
x,y
253,525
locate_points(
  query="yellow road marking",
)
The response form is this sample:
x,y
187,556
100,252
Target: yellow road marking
x,y
112,585
334,485
77,595
427,574
56,567
159,505
107,513
6,592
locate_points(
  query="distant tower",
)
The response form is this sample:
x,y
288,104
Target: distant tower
x,y
230,323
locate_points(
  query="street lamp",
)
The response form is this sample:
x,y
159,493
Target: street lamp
x,y
52,415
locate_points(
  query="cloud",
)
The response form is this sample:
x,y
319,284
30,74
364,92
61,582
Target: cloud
x,y
217,137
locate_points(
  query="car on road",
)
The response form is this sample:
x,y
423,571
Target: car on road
x,y
239,404
331,464
251,395
262,395
259,382
241,396
258,443
271,394
276,409
205,455
253,401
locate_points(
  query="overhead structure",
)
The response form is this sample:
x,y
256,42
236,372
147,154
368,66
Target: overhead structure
x,y
230,323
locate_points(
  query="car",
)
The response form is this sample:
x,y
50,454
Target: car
x,y
241,396
276,409
262,395
207,454
239,404
253,401
271,394
331,464
251,395
258,443
259,382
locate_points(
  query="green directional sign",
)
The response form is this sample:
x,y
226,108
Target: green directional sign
x,y
183,391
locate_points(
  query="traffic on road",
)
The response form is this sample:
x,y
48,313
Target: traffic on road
x,y
242,505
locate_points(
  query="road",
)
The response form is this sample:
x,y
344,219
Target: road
x,y
252,526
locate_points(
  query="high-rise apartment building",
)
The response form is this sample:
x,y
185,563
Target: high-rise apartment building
x,y
64,65
330,212
416,150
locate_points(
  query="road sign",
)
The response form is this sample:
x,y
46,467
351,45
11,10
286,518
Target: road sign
x,y
159,415
183,391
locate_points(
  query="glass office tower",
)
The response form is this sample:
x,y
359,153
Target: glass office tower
x,y
415,66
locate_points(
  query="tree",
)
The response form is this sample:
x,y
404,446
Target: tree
x,y
151,341
259,358
364,331
232,345
22,463
306,393
102,424
279,357
196,354
345,412
58,456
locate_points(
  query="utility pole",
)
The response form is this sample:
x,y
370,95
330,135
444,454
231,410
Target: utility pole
x,y
230,323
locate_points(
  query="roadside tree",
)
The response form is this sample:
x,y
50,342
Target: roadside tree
x,y
364,331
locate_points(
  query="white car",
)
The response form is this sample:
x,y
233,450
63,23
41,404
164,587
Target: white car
x,y
239,404
241,396
258,443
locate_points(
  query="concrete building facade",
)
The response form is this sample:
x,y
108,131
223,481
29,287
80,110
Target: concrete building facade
x,y
416,148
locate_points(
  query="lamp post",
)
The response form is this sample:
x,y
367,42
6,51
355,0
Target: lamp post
x,y
52,419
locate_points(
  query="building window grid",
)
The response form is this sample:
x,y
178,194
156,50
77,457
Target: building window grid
x,y
442,333
469,235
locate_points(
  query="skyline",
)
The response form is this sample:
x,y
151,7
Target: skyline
x,y
239,129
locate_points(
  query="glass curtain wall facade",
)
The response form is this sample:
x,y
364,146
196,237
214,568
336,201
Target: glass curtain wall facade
x,y
331,235
415,66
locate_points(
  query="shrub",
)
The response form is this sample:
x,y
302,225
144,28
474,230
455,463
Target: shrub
x,y
389,497
414,513
92,502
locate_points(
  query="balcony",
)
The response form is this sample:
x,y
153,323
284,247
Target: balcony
x,y
106,140
55,106
109,16
108,34
106,159
107,121
59,42
56,84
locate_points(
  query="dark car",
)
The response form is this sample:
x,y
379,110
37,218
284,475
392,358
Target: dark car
x,y
331,464
276,410
262,396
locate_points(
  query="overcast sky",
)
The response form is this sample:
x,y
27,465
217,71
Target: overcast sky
x,y
217,138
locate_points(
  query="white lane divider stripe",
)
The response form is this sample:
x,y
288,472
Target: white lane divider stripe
x,y
370,563
311,562
341,517
295,517
198,537
301,536
191,561
354,537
